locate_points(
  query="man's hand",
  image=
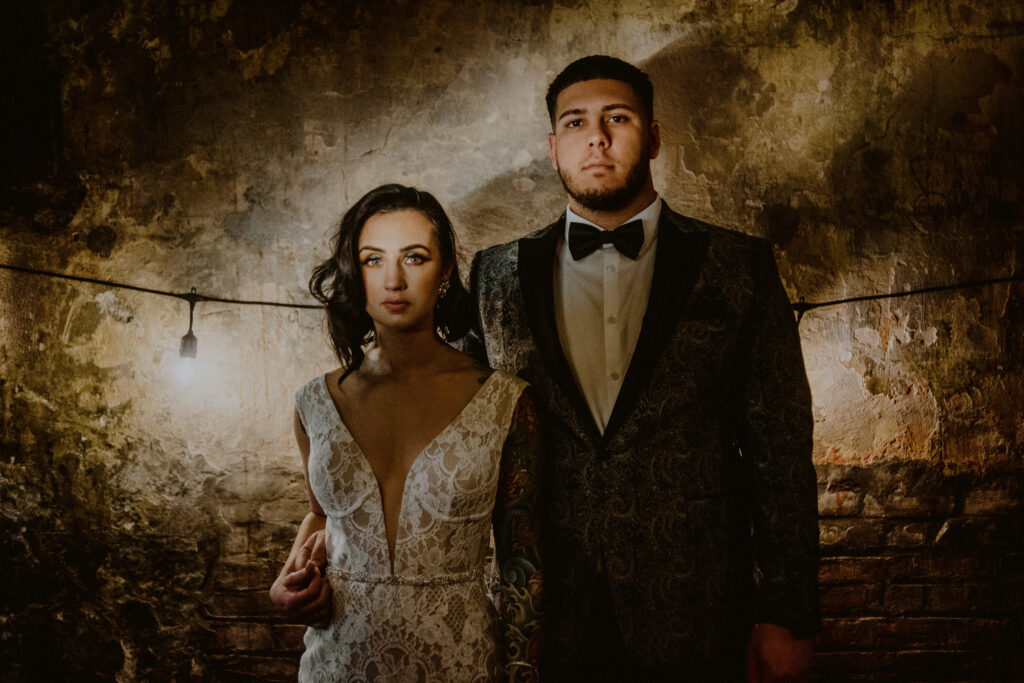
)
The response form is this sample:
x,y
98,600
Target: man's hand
x,y
775,656
304,596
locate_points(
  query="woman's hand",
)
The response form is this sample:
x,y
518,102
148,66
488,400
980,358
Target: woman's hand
x,y
313,550
304,596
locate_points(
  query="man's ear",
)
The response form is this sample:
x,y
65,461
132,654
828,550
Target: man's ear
x,y
551,151
654,131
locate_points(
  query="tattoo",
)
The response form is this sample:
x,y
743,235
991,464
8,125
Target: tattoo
x,y
517,535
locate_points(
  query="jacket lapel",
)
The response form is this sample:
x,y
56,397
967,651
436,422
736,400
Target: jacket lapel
x,y
680,255
536,278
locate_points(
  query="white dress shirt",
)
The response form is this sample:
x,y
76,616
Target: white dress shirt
x,y
600,302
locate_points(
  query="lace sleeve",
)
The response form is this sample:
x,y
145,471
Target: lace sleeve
x,y
517,540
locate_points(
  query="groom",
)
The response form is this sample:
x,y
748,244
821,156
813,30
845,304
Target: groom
x,y
680,524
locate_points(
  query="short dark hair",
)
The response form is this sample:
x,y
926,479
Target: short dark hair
x,y
602,66
337,283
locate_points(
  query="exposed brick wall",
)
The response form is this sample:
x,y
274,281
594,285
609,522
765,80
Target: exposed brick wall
x,y
922,575
922,579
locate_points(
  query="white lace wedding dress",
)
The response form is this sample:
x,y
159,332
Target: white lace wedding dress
x,y
433,618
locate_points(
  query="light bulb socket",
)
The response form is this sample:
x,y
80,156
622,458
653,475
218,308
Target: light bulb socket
x,y
189,343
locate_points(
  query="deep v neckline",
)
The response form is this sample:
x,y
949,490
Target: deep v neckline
x,y
368,468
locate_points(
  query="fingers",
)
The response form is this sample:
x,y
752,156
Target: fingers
x,y
318,554
314,550
326,604
315,609
297,580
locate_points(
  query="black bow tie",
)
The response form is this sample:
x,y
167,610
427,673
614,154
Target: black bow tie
x,y
585,239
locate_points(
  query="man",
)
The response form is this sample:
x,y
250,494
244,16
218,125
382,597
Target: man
x,y
680,525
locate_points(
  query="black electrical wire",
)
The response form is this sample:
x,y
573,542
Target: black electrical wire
x,y
800,307
191,296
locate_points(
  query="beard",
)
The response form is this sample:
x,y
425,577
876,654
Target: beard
x,y
612,198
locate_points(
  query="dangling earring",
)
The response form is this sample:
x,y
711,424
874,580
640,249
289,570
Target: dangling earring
x,y
442,290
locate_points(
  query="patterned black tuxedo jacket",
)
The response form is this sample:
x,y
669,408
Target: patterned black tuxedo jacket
x,y
700,496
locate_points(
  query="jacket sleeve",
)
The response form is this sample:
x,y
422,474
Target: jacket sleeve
x,y
776,443
472,344
516,522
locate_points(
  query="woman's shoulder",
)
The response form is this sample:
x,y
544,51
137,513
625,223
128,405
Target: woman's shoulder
x,y
318,386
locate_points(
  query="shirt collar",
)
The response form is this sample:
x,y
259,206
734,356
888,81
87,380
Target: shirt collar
x,y
649,216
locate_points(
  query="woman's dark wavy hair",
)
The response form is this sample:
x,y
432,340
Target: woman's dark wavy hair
x,y
337,283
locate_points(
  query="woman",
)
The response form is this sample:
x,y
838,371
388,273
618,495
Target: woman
x,y
410,451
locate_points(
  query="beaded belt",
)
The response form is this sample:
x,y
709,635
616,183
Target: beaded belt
x,y
420,580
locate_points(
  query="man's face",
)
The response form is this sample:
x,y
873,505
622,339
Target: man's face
x,y
602,143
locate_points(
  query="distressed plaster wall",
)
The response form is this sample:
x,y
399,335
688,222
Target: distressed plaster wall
x,y
212,143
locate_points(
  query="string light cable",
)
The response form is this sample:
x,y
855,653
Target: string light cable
x,y
189,343
803,306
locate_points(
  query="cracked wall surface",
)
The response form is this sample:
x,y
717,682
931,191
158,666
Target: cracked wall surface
x,y
214,143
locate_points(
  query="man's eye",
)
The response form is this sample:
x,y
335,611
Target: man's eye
x,y
618,118
575,123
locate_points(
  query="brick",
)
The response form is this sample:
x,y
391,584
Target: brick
x,y
835,666
238,604
844,477
852,599
939,566
246,636
951,598
839,503
901,506
917,666
851,534
245,574
967,533
242,668
955,665
1001,497
253,636
933,633
288,637
996,598
912,534
904,598
845,569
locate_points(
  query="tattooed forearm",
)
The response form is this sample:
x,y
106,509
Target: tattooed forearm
x,y
517,538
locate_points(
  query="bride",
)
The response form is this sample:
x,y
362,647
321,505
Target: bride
x,y
411,451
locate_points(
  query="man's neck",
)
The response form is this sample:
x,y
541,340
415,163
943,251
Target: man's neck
x,y
609,220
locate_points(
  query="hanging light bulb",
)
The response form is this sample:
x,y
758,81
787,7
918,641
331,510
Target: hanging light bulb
x,y
186,369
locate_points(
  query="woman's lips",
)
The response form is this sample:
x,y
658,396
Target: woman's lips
x,y
396,305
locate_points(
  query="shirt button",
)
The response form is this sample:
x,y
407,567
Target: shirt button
x,y
611,319
614,376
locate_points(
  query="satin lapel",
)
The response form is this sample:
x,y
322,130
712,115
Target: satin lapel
x,y
537,280
680,255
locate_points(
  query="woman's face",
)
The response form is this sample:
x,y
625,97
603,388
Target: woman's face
x,y
402,266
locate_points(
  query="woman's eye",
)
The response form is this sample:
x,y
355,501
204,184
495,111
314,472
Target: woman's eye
x,y
413,257
371,260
